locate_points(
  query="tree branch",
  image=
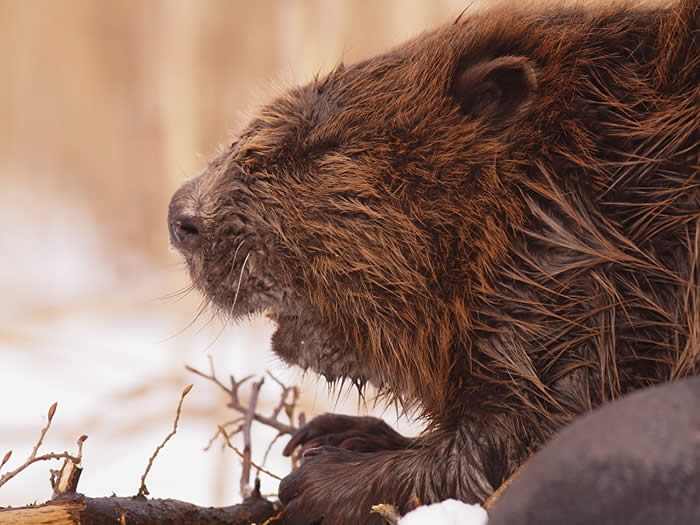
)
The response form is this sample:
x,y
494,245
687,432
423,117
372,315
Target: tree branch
x,y
138,510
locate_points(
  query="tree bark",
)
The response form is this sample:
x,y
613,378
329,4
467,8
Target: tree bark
x,y
138,510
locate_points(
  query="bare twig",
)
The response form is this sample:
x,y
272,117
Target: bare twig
x,y
276,517
289,407
295,457
250,415
143,491
253,464
33,458
238,406
269,447
52,411
231,433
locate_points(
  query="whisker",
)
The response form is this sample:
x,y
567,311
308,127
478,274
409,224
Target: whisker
x,y
233,262
240,278
221,331
177,295
214,315
202,308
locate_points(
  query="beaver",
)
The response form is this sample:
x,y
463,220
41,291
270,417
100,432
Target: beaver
x,y
637,462
496,224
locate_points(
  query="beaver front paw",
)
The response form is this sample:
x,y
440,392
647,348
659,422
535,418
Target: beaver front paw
x,y
360,434
335,486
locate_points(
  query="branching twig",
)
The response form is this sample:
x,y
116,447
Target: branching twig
x,y
253,464
33,458
288,403
290,406
235,403
143,491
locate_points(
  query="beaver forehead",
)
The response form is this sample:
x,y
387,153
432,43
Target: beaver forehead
x,y
402,88
411,83
408,86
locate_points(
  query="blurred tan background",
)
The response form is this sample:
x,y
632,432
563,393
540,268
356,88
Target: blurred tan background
x,y
106,107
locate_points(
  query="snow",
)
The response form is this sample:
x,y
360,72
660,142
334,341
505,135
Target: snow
x,y
448,512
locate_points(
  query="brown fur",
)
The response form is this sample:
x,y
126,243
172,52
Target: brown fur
x,y
503,252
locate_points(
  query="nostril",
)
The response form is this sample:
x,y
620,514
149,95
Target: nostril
x,y
185,228
184,232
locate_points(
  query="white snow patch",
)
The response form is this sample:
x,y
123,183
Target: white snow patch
x,y
448,512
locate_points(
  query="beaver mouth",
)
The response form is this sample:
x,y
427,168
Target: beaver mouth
x,y
233,264
242,286
301,336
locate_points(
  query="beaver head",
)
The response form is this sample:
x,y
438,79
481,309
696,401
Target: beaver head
x,y
358,210
365,210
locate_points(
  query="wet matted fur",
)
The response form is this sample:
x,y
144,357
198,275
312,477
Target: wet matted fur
x,y
496,223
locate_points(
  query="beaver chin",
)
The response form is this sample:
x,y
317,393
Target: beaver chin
x,y
301,337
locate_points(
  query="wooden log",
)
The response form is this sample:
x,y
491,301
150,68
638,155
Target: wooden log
x,y
137,510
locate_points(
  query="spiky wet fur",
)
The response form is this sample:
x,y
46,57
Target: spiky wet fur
x,y
503,278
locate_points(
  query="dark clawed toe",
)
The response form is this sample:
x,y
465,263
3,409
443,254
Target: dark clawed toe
x,y
297,439
312,452
319,431
360,434
314,443
354,443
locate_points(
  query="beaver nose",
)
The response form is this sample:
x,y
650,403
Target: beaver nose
x,y
185,229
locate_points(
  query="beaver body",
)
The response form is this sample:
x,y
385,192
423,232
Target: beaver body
x,y
496,223
636,462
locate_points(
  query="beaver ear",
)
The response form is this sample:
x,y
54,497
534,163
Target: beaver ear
x,y
498,89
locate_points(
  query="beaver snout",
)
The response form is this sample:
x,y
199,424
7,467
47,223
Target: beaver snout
x,y
184,225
